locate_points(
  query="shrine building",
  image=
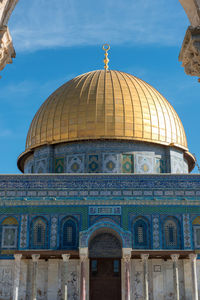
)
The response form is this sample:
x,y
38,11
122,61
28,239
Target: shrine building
x,y
105,207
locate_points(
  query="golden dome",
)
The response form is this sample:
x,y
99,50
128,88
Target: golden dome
x,y
106,105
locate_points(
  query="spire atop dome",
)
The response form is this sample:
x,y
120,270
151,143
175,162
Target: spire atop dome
x,y
106,48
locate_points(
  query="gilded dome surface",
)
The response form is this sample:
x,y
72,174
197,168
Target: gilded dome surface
x,y
106,105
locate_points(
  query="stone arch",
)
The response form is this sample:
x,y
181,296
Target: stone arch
x,y
192,9
105,227
105,243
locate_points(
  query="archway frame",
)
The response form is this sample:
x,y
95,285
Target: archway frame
x,y
125,237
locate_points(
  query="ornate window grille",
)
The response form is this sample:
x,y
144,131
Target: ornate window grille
x,y
196,230
9,233
39,234
171,234
69,234
141,234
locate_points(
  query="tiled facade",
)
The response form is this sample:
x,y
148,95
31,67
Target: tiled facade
x,y
106,157
122,203
127,197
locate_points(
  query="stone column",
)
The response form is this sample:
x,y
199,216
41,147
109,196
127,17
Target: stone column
x,y
144,258
127,263
35,258
16,276
175,258
83,259
193,261
65,260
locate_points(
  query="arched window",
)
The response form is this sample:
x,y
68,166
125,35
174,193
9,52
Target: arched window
x,y
32,169
39,234
196,232
140,231
171,234
69,234
9,233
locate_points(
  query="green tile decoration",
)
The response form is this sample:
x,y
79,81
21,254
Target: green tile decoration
x,y
127,163
59,165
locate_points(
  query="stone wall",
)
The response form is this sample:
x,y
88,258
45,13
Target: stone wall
x,y
51,274
49,281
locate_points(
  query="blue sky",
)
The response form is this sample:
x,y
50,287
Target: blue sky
x,y
57,40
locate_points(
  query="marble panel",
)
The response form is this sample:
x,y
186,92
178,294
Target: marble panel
x,y
110,163
75,163
6,282
144,164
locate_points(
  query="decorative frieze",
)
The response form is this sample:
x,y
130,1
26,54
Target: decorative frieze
x,y
186,231
156,232
115,182
105,210
23,231
54,232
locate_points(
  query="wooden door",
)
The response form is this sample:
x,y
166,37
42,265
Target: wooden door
x,y
105,279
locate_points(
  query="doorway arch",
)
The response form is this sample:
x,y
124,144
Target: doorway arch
x,y
105,253
105,245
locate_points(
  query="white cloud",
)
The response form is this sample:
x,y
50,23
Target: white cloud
x,y
43,24
5,132
28,89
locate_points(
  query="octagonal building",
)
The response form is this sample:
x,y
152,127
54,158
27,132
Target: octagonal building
x,y
106,207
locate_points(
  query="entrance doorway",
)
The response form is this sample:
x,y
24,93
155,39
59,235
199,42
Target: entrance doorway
x,y
105,279
105,267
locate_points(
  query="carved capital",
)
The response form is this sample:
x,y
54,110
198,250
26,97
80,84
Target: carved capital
x,y
127,257
7,51
17,257
190,51
83,253
35,257
83,258
174,257
144,257
193,257
65,257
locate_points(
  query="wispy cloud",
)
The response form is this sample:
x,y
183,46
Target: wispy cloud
x,y
43,24
5,132
28,88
